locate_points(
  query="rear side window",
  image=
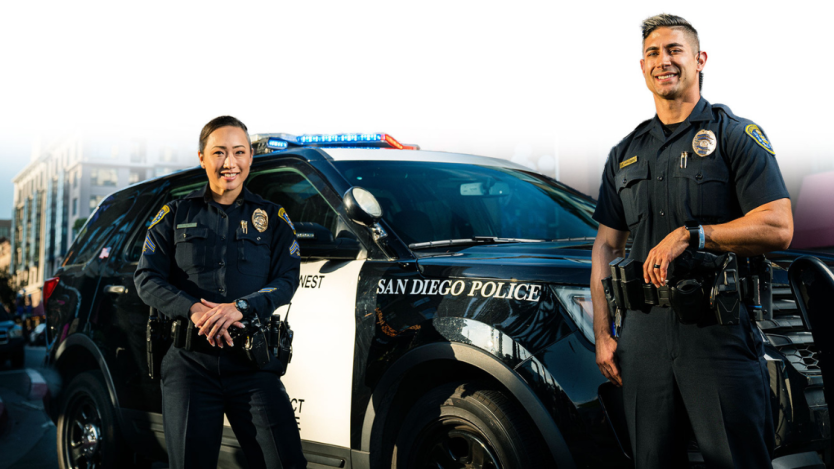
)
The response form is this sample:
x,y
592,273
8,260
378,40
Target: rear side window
x,y
108,217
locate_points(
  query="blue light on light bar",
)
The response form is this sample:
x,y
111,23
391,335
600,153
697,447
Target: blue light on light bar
x,y
341,138
276,144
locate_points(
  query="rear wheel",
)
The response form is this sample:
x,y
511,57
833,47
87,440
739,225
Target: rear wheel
x,y
467,426
88,434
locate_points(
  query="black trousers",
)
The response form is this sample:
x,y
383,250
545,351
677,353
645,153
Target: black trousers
x,y
199,387
707,377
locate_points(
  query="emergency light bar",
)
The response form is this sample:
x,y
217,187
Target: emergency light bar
x,y
268,143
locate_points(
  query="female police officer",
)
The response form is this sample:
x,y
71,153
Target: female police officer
x,y
213,258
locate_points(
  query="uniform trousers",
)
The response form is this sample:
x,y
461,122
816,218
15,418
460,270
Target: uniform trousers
x,y
707,378
200,386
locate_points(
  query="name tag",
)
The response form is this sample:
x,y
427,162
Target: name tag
x,y
629,161
187,225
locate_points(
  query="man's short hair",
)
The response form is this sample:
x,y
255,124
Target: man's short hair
x,y
665,20
218,122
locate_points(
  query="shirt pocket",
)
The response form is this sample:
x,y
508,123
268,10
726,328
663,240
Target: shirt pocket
x,y
633,189
704,188
253,254
190,245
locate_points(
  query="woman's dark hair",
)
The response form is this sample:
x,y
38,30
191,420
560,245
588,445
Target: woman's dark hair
x,y
218,122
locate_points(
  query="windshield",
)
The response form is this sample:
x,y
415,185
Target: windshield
x,y
427,201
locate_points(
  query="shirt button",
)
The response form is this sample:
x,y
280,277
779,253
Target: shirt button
x,y
698,176
662,213
222,238
222,215
222,263
660,178
221,290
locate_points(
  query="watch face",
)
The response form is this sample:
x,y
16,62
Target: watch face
x,y
242,305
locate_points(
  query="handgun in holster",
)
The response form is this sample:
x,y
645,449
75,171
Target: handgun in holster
x,y
157,342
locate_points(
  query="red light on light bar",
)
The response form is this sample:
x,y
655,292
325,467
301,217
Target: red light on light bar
x,y
390,140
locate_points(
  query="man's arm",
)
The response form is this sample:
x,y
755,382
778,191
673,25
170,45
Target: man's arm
x,y
609,245
766,228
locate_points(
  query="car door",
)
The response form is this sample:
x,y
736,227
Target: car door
x,y
322,313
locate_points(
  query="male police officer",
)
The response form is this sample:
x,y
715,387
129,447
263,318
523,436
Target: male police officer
x,y
694,177
211,259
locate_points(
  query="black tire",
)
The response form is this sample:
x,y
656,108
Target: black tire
x,y
19,358
467,425
88,433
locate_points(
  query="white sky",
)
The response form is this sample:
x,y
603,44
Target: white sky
x,y
526,79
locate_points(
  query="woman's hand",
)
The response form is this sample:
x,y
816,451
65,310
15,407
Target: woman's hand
x,y
216,321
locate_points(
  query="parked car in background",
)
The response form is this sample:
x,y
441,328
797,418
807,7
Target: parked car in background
x,y
11,341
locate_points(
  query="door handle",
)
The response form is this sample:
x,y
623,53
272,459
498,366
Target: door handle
x,y
116,289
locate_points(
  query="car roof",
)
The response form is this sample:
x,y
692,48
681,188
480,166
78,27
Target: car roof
x,y
384,154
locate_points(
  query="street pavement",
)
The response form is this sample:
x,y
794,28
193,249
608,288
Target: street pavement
x,y
28,440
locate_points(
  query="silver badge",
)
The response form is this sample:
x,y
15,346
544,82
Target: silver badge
x,y
704,142
259,220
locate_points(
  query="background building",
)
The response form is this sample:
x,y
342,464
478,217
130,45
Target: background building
x,y
64,182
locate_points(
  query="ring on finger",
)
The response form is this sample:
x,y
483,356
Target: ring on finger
x,y
657,266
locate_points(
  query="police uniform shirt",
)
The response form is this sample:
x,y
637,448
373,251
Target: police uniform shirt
x,y
196,249
650,187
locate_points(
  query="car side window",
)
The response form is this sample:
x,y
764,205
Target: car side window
x,y
103,222
290,189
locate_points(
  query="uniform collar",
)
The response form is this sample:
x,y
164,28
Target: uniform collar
x,y
205,194
701,112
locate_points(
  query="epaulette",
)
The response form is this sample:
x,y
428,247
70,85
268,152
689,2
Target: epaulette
x,y
726,110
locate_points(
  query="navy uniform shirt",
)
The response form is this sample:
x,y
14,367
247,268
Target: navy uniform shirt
x,y
196,248
647,190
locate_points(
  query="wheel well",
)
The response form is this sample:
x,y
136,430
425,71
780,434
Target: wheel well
x,y
414,384
73,361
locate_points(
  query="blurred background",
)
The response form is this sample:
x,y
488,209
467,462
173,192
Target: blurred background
x,y
98,95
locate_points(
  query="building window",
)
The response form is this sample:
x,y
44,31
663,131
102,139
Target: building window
x,y
104,177
74,207
136,176
94,200
74,177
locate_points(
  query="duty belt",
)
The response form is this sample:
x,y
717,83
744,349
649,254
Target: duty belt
x,y
697,281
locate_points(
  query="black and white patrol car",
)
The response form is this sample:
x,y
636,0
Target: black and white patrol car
x,y
443,319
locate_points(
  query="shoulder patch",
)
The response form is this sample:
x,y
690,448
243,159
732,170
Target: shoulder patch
x,y
159,216
284,216
756,134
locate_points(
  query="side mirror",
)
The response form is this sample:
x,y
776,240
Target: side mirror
x,y
361,206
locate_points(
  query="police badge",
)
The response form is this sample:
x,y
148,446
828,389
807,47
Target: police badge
x,y
704,142
259,220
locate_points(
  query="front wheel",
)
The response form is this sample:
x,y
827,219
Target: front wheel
x,y
88,434
467,426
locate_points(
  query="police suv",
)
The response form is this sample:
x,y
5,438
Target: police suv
x,y
443,319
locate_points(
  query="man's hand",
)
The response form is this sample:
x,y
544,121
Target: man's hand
x,y
608,245
216,321
606,346
672,246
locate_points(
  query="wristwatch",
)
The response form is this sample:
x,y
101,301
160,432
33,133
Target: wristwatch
x,y
697,240
242,306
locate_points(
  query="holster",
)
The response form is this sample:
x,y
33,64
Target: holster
x,y
157,342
